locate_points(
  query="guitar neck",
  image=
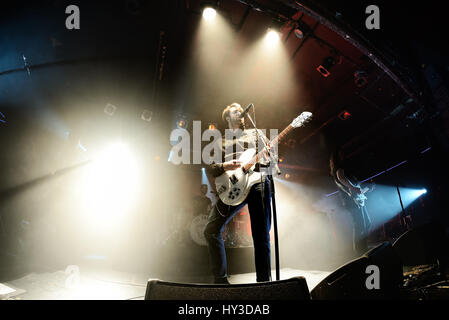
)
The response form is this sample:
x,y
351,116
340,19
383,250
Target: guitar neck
x,y
281,136
273,143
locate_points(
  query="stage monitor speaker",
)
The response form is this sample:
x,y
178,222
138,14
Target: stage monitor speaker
x,y
350,280
426,244
290,289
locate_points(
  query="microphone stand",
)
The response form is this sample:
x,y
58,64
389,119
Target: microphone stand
x,y
275,227
273,200
403,216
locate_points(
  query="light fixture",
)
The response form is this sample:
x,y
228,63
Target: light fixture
x,y
360,78
209,10
274,32
212,126
272,37
181,121
326,66
301,28
209,14
344,115
146,115
110,109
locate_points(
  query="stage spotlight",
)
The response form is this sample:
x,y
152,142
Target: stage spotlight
x,y
209,13
111,185
212,126
209,10
344,115
273,32
181,123
182,120
409,195
272,37
204,179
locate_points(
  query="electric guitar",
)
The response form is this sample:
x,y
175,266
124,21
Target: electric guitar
x,y
359,197
233,186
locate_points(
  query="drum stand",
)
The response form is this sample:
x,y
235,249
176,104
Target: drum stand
x,y
273,200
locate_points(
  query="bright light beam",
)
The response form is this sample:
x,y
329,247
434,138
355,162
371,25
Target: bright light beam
x,y
272,38
111,185
412,194
209,14
383,203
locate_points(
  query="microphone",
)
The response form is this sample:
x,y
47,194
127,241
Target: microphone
x,y
246,110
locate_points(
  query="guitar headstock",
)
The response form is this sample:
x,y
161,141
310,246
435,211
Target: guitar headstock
x,y
302,119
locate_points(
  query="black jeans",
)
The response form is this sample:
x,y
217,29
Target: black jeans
x,y
259,205
361,224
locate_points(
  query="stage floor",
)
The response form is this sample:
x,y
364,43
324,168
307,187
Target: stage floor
x,y
113,285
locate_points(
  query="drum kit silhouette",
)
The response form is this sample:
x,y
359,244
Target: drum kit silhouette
x,y
235,234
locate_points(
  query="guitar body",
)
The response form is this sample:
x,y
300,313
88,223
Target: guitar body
x,y
233,186
360,198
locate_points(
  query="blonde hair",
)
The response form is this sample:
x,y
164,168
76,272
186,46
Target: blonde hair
x,y
226,110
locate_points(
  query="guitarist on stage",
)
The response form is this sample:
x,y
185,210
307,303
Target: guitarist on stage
x,y
353,199
258,200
